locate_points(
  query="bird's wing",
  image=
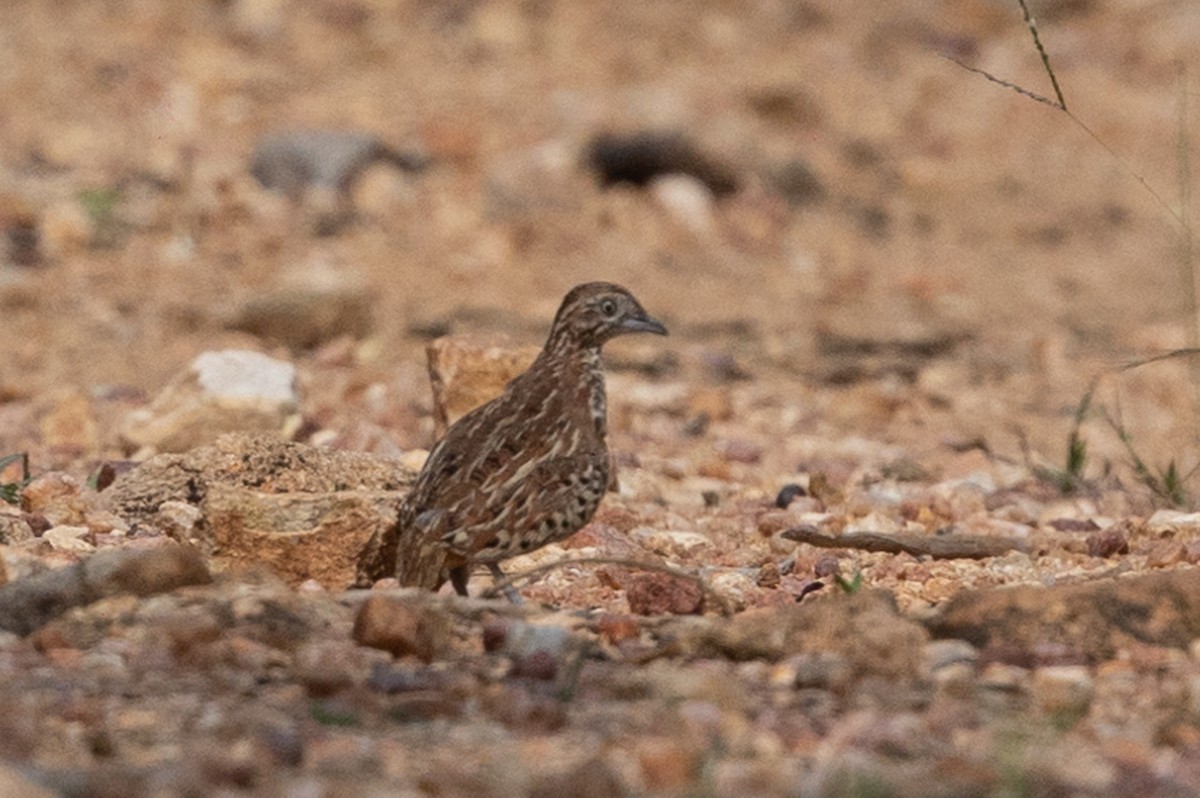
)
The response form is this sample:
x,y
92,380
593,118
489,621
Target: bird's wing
x,y
548,500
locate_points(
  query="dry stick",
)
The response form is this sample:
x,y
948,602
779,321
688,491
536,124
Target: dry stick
x,y
1037,42
948,547
1183,161
510,580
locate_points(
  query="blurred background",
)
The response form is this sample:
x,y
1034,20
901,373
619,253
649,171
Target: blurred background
x,y
815,200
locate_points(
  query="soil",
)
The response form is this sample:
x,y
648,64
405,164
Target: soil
x,y
890,281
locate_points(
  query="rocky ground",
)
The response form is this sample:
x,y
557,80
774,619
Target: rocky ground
x,y
891,518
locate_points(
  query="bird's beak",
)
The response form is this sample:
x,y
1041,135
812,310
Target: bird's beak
x,y
644,324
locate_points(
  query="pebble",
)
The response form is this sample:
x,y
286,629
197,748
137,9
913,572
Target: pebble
x,y
1062,689
1107,543
685,199
68,538
179,520
56,496
939,654
671,542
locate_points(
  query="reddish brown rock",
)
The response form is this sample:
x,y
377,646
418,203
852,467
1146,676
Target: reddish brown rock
x,y
662,594
617,628
665,764
1107,543
402,627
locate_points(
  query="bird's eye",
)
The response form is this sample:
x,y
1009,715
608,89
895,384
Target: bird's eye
x,y
608,308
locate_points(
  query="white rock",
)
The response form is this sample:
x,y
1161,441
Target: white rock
x,y
68,538
1172,519
240,374
873,522
939,654
685,198
670,541
733,586
226,391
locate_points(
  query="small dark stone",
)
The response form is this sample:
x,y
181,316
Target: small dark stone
x,y
697,425
284,745
787,494
827,566
37,522
1107,543
109,470
723,367
711,498
798,184
1074,525
811,587
873,220
495,633
539,665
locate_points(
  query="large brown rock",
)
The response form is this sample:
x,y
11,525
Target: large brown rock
x,y
300,536
260,462
465,373
1092,619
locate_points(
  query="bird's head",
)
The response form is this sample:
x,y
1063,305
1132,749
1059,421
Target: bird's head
x,y
594,313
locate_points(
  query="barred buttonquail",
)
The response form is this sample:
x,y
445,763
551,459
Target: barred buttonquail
x,y
529,467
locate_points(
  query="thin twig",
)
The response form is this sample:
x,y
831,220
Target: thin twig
x,y
1174,214
1024,92
1186,252
528,575
1174,353
1037,42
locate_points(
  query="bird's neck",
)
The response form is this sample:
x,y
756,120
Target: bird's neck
x,y
579,371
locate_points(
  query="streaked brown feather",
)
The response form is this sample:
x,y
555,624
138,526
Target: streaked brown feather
x,y
529,467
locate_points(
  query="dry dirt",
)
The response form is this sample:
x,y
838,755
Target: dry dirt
x,y
899,308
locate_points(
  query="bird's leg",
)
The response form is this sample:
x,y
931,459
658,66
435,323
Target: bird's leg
x,y
458,578
509,591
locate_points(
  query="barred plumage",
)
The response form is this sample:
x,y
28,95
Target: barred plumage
x,y
529,467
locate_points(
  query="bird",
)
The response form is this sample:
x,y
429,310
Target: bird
x,y
529,467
